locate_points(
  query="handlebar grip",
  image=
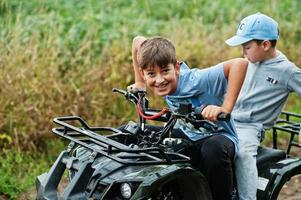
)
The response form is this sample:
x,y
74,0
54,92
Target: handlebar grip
x,y
120,91
224,116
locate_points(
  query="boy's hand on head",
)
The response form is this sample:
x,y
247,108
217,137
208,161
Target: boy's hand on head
x,y
136,86
211,112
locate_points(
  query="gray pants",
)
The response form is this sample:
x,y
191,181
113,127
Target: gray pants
x,y
245,162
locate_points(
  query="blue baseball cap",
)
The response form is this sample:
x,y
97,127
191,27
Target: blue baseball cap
x,y
257,26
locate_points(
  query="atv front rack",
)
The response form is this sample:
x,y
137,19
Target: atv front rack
x,y
290,123
93,139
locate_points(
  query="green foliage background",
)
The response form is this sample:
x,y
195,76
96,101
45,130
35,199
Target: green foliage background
x,y
63,57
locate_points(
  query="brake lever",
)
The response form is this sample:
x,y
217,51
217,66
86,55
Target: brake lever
x,y
204,123
198,121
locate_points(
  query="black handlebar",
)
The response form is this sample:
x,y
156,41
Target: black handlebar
x,y
120,91
224,116
185,110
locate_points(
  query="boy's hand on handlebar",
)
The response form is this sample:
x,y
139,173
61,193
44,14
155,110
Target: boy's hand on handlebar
x,y
136,86
211,112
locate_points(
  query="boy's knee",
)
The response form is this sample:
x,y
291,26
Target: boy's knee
x,y
222,154
246,159
247,150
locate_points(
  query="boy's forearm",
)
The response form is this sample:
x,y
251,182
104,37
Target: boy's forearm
x,y
137,41
235,70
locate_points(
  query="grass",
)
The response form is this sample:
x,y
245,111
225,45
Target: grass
x,y
18,170
60,57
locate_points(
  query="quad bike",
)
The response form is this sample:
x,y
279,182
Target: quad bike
x,y
137,163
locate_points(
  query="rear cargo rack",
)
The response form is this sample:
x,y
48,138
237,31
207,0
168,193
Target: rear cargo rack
x,y
92,139
290,123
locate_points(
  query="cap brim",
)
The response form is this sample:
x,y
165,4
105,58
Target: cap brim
x,y
237,40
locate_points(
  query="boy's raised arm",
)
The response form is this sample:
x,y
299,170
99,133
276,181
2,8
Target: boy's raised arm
x,y
235,70
139,81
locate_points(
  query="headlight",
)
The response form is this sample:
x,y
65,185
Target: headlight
x,y
126,190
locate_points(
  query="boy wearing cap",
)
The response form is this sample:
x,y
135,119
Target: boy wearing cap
x,y
269,80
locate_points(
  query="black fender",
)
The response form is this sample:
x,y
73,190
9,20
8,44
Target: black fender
x,y
192,182
272,178
47,183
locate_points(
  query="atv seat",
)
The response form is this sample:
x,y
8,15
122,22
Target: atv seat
x,y
265,155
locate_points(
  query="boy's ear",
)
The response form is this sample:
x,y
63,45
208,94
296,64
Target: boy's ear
x,y
266,45
141,73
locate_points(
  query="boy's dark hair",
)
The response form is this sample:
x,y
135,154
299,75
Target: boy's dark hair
x,y
273,42
156,51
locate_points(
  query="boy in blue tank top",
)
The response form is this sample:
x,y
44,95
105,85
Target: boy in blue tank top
x,y
217,87
270,78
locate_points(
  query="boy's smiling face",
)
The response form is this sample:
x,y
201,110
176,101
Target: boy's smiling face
x,y
162,80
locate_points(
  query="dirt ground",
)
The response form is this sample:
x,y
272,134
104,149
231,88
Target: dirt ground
x,y
291,190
